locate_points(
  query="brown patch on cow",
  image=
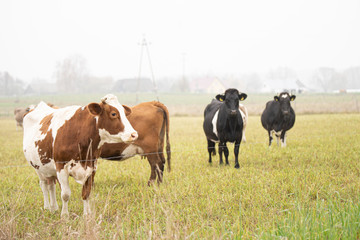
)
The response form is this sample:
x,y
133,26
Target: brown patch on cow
x,y
34,165
113,151
87,186
45,123
74,138
45,148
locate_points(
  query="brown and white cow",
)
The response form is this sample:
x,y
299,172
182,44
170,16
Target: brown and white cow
x,y
151,121
64,142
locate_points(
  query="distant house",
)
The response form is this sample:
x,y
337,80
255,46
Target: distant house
x,y
132,85
279,85
207,85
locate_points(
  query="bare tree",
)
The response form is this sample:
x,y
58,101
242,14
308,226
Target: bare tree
x,y
10,85
71,74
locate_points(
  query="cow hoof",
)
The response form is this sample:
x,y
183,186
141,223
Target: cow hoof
x,y
151,182
54,209
237,166
65,216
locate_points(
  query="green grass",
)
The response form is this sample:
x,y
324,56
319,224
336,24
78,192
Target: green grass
x,y
308,190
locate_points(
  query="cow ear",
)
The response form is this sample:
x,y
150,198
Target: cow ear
x,y
95,109
292,98
276,98
127,110
220,97
242,96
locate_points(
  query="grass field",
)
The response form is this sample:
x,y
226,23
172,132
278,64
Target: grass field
x,y
308,190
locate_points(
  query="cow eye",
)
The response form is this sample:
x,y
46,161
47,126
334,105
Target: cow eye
x,y
113,114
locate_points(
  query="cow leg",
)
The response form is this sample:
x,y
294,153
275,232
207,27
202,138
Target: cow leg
x,y
63,178
45,190
157,168
221,148
48,187
270,137
86,193
277,138
226,154
51,183
161,155
243,135
236,153
283,139
211,149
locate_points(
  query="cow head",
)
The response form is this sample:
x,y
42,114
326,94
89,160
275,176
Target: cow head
x,y
111,119
284,99
231,98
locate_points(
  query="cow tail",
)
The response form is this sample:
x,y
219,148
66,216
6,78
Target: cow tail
x,y
167,130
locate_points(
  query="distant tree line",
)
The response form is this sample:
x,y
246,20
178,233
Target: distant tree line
x,y
72,76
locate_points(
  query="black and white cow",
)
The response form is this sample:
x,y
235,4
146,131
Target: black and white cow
x,y
278,117
223,123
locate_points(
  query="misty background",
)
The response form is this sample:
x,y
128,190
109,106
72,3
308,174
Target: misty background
x,y
50,47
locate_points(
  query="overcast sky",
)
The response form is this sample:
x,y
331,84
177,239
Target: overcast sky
x,y
215,37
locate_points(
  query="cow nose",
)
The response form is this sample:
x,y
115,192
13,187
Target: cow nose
x,y
134,136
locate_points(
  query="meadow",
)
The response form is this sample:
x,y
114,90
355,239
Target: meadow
x,y
308,190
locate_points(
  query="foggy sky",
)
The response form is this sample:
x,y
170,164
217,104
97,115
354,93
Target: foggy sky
x,y
215,37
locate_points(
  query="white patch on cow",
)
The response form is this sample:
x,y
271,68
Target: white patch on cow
x,y
60,116
284,96
244,116
276,133
78,172
128,129
106,137
131,151
214,123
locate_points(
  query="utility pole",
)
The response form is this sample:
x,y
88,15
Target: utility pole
x,y
144,44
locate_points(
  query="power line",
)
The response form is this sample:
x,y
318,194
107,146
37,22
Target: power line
x,y
144,44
